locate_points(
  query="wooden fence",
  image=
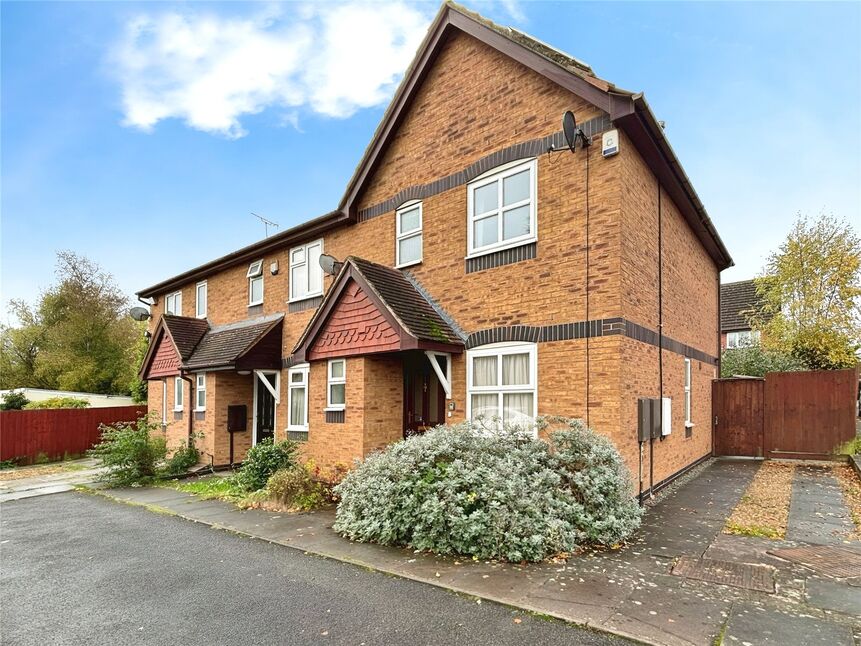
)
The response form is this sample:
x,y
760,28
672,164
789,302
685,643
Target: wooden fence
x,y
54,433
802,415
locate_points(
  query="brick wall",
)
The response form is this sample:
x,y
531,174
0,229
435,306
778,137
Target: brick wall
x,y
689,302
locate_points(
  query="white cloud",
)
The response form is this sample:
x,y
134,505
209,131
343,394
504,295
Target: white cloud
x,y
210,70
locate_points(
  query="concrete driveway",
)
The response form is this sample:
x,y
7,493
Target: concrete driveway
x,y
71,473
79,569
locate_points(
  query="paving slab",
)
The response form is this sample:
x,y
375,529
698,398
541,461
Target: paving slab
x,y
762,626
667,616
817,512
832,595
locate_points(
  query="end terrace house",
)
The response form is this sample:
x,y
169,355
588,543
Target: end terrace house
x,y
475,265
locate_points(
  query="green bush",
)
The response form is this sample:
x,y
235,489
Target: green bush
x,y
13,400
463,490
185,457
58,402
262,460
132,453
295,488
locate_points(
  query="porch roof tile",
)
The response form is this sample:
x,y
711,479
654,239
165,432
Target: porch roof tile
x,y
223,345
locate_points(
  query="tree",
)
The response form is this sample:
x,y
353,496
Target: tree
x,y
14,400
78,337
811,291
754,361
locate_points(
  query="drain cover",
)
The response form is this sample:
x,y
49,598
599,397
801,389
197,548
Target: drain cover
x,y
740,575
837,562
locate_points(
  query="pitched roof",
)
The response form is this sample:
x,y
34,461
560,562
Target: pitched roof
x,y
627,110
412,308
185,332
223,345
738,301
399,298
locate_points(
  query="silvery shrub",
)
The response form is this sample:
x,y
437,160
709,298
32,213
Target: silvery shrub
x,y
500,493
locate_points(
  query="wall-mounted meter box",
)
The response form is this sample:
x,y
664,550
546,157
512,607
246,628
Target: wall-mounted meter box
x,y
610,143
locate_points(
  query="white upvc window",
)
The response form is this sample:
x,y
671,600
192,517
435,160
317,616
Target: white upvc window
x,y
255,283
297,398
502,383
742,338
306,274
408,234
173,304
200,391
688,421
200,297
336,386
164,402
177,393
501,206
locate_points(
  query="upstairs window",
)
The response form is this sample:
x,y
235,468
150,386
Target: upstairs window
x,y
200,300
742,339
502,384
336,398
173,304
306,274
255,283
408,232
501,207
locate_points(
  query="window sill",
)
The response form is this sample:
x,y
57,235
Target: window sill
x,y
304,297
520,242
409,264
334,409
689,424
199,410
178,410
255,304
200,316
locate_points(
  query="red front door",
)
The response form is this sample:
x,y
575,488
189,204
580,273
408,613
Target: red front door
x,y
424,397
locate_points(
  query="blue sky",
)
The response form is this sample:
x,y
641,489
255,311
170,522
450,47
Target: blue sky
x,y
142,134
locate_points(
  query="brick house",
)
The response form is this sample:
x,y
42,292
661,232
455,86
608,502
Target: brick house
x,y
738,303
474,265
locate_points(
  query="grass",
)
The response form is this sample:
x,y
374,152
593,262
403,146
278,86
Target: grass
x,y
208,488
763,510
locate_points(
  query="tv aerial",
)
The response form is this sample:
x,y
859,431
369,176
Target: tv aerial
x,y
266,223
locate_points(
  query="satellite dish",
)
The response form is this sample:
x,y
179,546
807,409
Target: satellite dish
x,y
139,313
330,264
569,128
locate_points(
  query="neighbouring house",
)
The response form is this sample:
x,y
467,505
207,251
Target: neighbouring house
x,y
475,266
739,302
95,400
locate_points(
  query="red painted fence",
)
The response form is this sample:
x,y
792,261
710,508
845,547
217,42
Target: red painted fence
x,y
25,434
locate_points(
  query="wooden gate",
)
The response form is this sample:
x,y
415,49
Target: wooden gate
x,y
738,416
802,415
808,415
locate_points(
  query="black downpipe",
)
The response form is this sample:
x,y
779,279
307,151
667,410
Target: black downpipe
x,y
587,285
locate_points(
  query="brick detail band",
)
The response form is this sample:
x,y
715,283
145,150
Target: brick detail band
x,y
499,258
335,417
583,330
523,150
307,304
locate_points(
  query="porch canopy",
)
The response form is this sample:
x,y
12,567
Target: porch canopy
x,y
183,344
371,308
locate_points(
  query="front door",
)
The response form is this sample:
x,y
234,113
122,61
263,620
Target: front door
x,y
265,413
424,397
